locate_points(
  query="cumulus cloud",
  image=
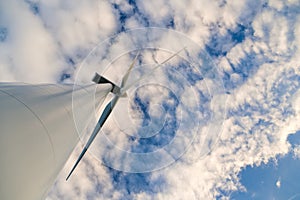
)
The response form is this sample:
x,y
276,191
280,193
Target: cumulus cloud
x,y
254,44
78,25
41,40
296,152
28,52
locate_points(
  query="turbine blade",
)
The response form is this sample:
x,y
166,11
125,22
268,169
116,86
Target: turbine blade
x,y
172,56
124,89
124,80
78,160
107,110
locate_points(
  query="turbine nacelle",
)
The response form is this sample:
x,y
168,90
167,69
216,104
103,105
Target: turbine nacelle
x,y
98,79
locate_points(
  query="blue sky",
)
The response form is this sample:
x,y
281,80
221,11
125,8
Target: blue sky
x,y
232,97
276,179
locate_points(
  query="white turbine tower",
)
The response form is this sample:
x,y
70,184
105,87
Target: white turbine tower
x,y
38,134
38,131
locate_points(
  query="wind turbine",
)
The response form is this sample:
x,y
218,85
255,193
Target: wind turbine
x,y
118,92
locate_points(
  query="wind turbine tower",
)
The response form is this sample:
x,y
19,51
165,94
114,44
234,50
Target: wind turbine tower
x,y
38,134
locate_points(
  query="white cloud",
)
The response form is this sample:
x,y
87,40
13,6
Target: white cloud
x,y
296,152
263,102
277,4
27,54
157,10
278,183
78,24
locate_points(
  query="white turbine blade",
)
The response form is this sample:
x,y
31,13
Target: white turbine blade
x,y
124,80
124,89
107,110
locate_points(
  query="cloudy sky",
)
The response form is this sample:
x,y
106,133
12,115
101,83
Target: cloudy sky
x,y
219,121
